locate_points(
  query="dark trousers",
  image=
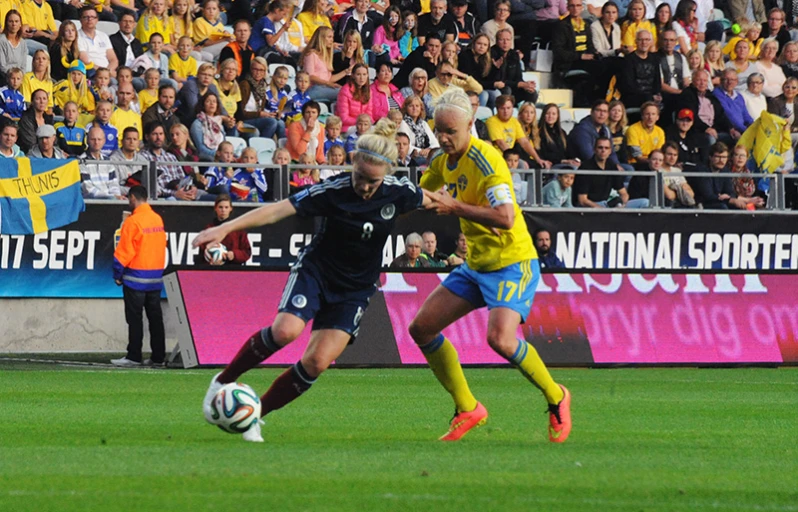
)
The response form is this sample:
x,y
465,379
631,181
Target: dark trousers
x,y
135,302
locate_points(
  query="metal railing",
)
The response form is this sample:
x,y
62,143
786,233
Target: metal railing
x,y
533,178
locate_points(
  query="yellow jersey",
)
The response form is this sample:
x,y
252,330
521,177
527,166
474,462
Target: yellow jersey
x,y
229,100
121,119
149,25
30,84
630,29
204,30
147,99
182,68
180,28
509,131
310,22
7,5
38,16
642,140
480,178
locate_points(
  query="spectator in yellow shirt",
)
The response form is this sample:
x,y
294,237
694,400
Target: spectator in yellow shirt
x,y
37,15
636,21
313,16
209,32
149,95
39,78
123,115
155,20
506,132
645,136
181,64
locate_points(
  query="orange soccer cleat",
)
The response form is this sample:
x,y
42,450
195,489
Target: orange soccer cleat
x,y
465,421
560,418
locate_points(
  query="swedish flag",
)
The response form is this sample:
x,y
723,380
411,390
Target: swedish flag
x,y
38,194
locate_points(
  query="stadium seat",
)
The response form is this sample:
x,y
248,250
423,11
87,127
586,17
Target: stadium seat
x,y
563,98
28,64
566,120
239,145
323,109
262,143
265,156
531,76
484,113
291,70
579,114
109,27
372,74
282,142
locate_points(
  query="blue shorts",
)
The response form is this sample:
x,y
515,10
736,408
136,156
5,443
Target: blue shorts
x,y
509,287
307,295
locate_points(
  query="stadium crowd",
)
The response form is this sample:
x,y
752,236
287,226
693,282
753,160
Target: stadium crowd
x,y
670,86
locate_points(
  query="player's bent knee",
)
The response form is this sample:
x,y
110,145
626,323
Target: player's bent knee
x,y
284,334
501,343
420,333
315,365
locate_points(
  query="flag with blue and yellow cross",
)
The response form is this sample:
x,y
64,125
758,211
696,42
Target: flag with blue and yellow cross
x,y
39,194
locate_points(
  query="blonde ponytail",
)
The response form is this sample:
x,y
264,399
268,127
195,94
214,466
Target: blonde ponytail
x,y
378,146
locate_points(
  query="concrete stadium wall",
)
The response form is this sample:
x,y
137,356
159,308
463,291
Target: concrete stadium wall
x,y
69,325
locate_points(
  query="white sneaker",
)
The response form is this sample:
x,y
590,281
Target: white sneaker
x,y
150,362
253,434
206,403
124,362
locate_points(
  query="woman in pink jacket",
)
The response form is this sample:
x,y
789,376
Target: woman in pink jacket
x,y
354,98
384,95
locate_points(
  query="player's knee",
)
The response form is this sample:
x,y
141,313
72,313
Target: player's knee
x,y
315,365
284,334
420,334
501,343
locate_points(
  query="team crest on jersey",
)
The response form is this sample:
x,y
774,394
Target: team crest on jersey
x,y
462,183
299,301
388,211
110,136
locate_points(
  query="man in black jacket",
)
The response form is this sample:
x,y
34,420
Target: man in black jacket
x,y
573,50
640,79
163,111
465,24
437,21
506,73
126,47
710,117
425,57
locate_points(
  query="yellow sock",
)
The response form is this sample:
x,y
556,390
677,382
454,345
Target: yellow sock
x,y
527,360
442,358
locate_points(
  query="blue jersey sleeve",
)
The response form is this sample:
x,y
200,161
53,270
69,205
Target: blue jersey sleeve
x,y
410,196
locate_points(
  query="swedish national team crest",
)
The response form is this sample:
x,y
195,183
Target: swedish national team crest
x,y
462,183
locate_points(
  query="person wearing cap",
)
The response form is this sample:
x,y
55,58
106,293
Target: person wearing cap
x,y
466,26
693,144
709,115
74,88
45,144
732,103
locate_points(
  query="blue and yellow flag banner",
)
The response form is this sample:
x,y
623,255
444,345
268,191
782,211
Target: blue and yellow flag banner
x,y
37,195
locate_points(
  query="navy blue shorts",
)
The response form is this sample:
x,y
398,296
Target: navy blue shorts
x,y
307,295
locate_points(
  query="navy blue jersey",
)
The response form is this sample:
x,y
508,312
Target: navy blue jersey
x,y
348,248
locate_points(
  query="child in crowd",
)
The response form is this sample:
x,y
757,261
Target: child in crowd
x,y
252,177
74,88
281,156
149,95
305,177
69,134
336,156
12,102
277,98
218,178
101,85
557,193
154,58
362,125
102,118
750,31
155,20
332,129
209,33
514,162
181,64
409,41
300,96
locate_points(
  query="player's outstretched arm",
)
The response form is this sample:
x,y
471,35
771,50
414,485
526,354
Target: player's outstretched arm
x,y
267,214
501,216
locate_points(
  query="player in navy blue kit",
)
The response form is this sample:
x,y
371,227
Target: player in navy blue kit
x,y
334,276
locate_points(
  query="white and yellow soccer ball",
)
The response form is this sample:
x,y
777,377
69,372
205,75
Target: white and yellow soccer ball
x,y
215,254
235,408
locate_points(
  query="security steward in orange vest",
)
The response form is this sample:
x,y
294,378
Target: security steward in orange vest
x,y
240,50
138,266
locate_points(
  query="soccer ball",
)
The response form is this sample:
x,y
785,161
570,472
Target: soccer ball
x,y
215,254
235,408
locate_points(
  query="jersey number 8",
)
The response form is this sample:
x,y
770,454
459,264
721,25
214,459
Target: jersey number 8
x,y
368,229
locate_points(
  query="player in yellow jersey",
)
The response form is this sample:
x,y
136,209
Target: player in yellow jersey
x,y
501,269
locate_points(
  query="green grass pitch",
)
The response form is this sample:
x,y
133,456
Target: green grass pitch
x,y
365,440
